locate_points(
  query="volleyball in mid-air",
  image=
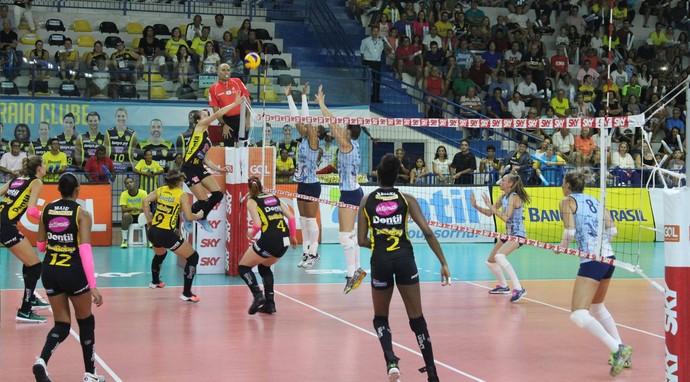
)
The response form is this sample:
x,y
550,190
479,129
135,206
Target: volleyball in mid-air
x,y
252,60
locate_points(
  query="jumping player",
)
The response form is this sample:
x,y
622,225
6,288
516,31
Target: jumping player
x,y
579,213
510,209
350,193
268,216
199,180
64,234
307,182
20,195
384,214
171,201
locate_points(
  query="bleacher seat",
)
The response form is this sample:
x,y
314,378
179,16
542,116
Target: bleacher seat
x,y
128,91
161,30
262,34
56,39
271,48
135,43
158,92
183,30
185,92
9,88
69,90
134,28
269,95
55,25
234,31
85,41
24,26
278,64
155,77
30,38
286,79
206,91
82,26
108,27
38,87
264,81
111,41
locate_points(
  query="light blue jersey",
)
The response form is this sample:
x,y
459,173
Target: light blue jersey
x,y
587,225
348,167
306,163
515,225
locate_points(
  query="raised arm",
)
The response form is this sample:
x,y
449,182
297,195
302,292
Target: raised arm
x,y
337,131
206,122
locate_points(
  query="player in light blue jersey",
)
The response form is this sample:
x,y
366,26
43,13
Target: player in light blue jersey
x,y
350,193
509,208
307,182
580,216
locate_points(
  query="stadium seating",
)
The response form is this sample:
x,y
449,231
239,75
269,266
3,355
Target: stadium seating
x,y
30,38
158,92
85,41
134,28
82,26
55,25
108,27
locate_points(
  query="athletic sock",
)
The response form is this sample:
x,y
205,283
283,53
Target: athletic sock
x,y
601,314
383,331
267,277
57,334
306,238
349,249
418,326
212,202
507,268
496,270
313,229
198,205
249,278
358,263
156,267
584,320
31,275
189,272
87,337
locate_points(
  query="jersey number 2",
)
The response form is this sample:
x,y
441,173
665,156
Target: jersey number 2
x,y
63,259
394,245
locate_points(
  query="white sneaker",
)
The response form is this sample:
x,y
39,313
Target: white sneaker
x,y
303,261
40,370
394,375
88,377
311,261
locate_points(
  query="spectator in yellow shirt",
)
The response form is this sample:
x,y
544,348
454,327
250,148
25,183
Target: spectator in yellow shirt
x,y
560,104
131,203
658,37
55,161
285,167
148,169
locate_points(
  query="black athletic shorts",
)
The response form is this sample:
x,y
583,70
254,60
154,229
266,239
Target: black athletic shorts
x,y
69,280
234,123
384,270
9,234
194,174
270,247
163,238
309,189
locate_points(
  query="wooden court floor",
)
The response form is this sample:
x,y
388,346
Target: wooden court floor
x,y
319,334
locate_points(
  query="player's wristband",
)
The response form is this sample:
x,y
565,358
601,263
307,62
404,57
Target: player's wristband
x,y
253,229
34,213
87,263
41,246
613,231
292,224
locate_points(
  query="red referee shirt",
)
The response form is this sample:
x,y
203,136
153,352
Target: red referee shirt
x,y
222,94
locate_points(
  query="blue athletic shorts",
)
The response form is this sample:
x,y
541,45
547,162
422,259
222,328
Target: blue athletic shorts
x,y
596,270
352,197
309,189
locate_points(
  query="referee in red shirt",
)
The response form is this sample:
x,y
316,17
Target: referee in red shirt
x,y
221,94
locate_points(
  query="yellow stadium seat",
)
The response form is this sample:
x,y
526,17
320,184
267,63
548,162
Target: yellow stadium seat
x,y
24,26
85,41
158,92
206,93
264,81
269,95
135,43
155,77
134,28
82,26
234,31
183,30
30,38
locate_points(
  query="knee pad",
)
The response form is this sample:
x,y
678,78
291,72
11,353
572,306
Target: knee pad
x,y
345,240
32,272
264,271
243,269
580,317
193,260
215,198
60,330
380,321
198,205
501,260
418,325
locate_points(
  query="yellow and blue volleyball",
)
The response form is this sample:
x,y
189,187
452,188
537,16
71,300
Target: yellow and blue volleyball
x,y
252,60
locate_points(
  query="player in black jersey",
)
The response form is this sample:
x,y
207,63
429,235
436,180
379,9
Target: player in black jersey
x,y
199,180
20,195
88,142
64,234
42,143
268,216
386,212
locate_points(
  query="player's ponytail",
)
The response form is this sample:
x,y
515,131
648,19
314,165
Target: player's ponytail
x,y
31,165
519,188
68,184
255,187
577,179
173,177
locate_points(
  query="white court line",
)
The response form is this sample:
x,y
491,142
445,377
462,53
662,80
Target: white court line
x,y
568,311
451,368
105,366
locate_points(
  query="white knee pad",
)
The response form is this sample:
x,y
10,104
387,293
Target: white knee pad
x,y
501,260
345,240
580,317
600,312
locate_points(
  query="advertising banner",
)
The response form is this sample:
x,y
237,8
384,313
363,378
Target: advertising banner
x,y
95,198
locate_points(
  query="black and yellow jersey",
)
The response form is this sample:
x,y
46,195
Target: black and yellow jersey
x,y
167,215
162,152
89,144
273,225
198,145
16,200
68,146
60,219
387,213
40,147
121,147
